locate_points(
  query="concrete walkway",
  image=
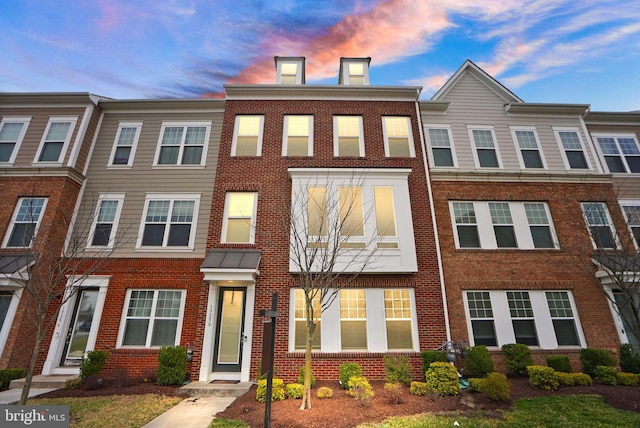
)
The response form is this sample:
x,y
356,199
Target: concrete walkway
x,y
12,396
192,412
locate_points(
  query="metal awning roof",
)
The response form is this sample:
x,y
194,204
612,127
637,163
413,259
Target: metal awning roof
x,y
12,263
231,264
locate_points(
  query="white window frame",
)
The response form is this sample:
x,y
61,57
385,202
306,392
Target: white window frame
x,y
521,226
542,319
285,135
631,203
336,136
470,129
172,198
25,121
65,145
152,318
11,286
279,73
236,128
346,72
118,197
134,144
557,131
621,155
519,149
185,126
452,149
13,223
385,132
612,228
225,221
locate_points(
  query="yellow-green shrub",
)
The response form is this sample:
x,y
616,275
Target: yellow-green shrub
x,y
497,387
294,390
277,390
419,388
476,383
443,379
393,390
360,389
582,379
565,379
627,379
325,392
543,377
606,374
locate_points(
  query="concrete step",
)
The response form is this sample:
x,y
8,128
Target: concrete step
x,y
215,389
44,381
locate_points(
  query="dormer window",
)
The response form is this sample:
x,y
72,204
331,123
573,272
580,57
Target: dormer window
x,y
289,70
354,71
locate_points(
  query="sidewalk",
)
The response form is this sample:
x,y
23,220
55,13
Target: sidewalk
x,y
12,396
192,412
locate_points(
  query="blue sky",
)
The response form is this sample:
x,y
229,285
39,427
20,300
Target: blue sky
x,y
557,51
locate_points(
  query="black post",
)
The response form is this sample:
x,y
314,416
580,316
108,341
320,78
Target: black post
x,y
268,358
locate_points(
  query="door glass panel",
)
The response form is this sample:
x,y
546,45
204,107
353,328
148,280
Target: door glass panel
x,y
82,324
5,302
230,327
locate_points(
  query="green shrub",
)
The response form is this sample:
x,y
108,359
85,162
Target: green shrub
x,y
629,360
7,375
172,365
606,374
543,377
443,379
582,379
497,387
565,379
294,390
325,392
559,363
277,390
93,363
627,379
360,389
590,358
393,391
301,377
429,357
347,371
73,383
419,388
517,357
476,384
398,368
479,362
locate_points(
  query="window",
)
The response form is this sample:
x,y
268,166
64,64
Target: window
x,y
529,151
600,226
572,148
620,152
397,311
501,224
12,131
440,141
105,222
298,136
239,217
353,319
152,318
351,215
356,74
289,70
25,222
247,137
169,220
300,321
9,300
532,317
398,138
348,139
631,210
385,217
124,146
55,140
486,152
317,213
183,144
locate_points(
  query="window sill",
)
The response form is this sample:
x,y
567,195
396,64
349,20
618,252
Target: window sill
x,y
180,167
165,249
46,164
119,167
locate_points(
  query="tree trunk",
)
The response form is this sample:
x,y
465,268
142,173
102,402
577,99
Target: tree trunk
x,y
306,395
32,368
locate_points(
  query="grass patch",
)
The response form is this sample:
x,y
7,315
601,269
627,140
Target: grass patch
x,y
227,423
122,411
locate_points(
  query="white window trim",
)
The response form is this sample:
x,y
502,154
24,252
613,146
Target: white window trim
x,y
11,313
519,149
629,203
285,135
25,121
521,226
299,65
65,145
7,235
152,317
185,125
134,145
615,136
542,319
446,127
556,131
171,197
114,228
347,76
225,220
612,228
470,129
236,126
387,151
336,146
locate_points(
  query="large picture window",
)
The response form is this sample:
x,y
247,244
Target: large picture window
x,y
152,318
169,220
183,144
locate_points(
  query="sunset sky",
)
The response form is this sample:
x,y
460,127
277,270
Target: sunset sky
x,y
557,51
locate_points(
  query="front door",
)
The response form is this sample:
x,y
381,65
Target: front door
x,y
80,326
227,355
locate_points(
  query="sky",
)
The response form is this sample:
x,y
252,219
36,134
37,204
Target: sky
x,y
550,51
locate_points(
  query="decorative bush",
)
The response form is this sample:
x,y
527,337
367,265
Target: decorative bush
x,y
560,363
543,377
565,379
93,363
582,379
629,360
626,379
347,371
325,392
606,374
517,358
590,358
301,377
443,379
429,357
360,389
497,387
476,384
277,390
294,390
398,368
172,365
419,388
393,391
479,362
7,375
